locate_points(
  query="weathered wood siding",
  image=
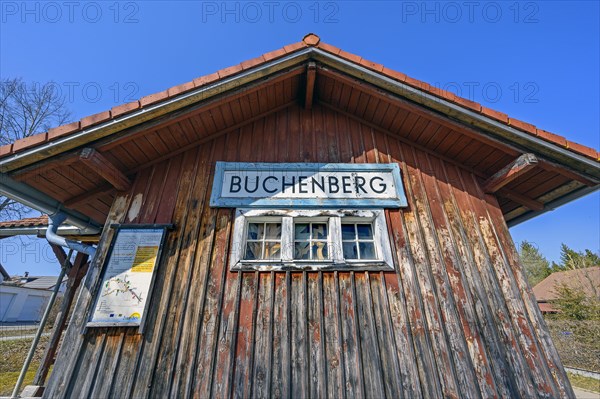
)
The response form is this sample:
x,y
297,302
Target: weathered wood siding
x,y
456,318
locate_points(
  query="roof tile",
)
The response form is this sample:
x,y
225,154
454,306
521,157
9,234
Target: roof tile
x,y
26,222
232,70
551,137
583,150
204,80
95,119
6,149
468,103
29,141
154,98
63,130
418,83
290,48
371,65
253,62
271,55
349,56
187,86
124,108
499,116
311,39
329,48
399,76
445,94
519,124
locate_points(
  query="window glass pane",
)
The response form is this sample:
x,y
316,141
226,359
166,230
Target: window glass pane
x,y
301,231
367,250
320,251
302,250
272,250
350,250
253,250
255,231
273,231
348,232
364,231
319,231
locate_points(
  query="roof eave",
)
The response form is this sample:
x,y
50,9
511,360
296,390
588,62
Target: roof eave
x,y
61,145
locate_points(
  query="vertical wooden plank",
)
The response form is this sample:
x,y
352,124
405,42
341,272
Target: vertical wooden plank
x,y
390,368
122,381
227,334
281,349
369,345
299,355
328,119
166,206
263,338
316,355
211,315
334,354
89,360
242,379
109,364
353,368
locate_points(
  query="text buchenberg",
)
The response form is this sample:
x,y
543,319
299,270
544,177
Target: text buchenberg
x,y
245,184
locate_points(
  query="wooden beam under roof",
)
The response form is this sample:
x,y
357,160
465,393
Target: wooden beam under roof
x,y
105,169
311,76
510,172
521,199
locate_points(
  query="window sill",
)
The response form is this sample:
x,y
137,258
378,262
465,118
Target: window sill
x,y
311,265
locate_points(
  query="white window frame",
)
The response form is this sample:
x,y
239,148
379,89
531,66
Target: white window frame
x,y
334,219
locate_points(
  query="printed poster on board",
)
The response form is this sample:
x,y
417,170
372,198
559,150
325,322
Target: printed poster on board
x,y
127,280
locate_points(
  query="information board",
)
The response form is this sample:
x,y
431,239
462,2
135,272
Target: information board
x,y
124,293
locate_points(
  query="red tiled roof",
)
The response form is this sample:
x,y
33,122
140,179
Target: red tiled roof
x,y
547,307
587,280
40,221
310,40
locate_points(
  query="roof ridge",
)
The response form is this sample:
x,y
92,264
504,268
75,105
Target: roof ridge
x,y
309,40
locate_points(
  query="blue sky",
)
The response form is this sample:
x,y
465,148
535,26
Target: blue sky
x,y
536,61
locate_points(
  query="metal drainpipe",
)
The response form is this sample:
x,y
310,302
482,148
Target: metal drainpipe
x,y
54,221
38,334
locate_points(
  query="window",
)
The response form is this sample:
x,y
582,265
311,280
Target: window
x,y
277,239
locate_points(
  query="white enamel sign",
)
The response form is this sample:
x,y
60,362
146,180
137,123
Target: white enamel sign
x,y
307,185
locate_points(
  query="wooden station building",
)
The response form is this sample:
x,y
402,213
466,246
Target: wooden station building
x,y
330,228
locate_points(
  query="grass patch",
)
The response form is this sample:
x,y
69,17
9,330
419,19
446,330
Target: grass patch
x,y
587,383
12,356
9,379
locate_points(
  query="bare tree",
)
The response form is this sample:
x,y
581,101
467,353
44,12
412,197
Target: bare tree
x,y
25,110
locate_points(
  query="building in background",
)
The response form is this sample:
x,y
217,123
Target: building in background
x,y
585,280
23,299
